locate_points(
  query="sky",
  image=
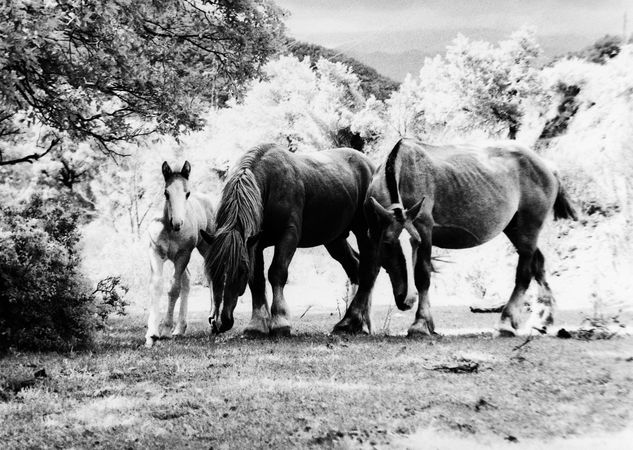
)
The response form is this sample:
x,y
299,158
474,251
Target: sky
x,y
392,25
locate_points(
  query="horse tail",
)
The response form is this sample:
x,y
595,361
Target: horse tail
x,y
563,208
239,216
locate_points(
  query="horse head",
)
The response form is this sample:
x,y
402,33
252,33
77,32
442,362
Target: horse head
x,y
228,266
230,255
176,195
386,232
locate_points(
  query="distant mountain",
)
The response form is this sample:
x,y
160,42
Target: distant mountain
x,y
377,50
371,81
394,65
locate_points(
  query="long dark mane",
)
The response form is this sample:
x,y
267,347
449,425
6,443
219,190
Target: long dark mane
x,y
390,173
239,217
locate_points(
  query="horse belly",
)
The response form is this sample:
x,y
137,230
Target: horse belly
x,y
473,228
325,224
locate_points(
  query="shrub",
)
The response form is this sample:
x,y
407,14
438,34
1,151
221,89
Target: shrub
x,y
46,303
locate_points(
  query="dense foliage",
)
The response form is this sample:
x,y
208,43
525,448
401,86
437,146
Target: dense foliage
x,y
601,51
112,70
371,82
301,106
476,86
45,301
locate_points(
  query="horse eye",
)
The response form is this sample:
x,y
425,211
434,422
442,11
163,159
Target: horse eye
x,y
166,195
188,194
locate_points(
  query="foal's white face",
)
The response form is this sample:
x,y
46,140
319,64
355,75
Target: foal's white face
x,y
176,194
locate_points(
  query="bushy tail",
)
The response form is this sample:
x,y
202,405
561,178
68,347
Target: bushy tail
x,y
563,209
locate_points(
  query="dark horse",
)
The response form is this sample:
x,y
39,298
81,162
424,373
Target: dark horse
x,y
460,197
275,197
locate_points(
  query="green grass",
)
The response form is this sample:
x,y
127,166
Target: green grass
x,y
314,389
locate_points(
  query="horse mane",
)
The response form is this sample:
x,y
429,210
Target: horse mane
x,y
239,217
390,174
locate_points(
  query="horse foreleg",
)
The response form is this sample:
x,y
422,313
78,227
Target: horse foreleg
x,y
357,318
278,276
423,324
155,291
180,265
260,319
181,325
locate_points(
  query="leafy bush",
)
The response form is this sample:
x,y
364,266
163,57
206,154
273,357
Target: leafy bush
x,y
46,303
111,293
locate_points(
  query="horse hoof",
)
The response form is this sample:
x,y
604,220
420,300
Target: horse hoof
x,y
419,333
280,332
150,341
349,327
254,333
504,332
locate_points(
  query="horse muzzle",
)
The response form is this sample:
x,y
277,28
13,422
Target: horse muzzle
x,y
176,225
221,325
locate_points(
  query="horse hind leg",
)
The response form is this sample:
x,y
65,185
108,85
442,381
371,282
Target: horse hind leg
x,y
357,318
524,240
509,324
542,314
342,252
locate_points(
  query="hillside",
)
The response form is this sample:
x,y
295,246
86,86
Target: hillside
x,y
372,82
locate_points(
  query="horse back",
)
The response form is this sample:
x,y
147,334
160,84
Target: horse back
x,y
319,193
473,192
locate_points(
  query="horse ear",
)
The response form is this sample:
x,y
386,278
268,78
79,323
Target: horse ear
x,y
380,210
166,170
186,170
413,212
209,238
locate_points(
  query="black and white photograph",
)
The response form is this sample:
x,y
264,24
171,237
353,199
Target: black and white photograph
x,y
292,224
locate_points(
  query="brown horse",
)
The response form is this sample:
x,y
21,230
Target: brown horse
x,y
286,200
460,197
173,237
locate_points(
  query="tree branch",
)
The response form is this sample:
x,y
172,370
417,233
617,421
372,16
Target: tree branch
x,y
30,158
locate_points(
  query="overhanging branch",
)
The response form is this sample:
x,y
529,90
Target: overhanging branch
x,y
30,158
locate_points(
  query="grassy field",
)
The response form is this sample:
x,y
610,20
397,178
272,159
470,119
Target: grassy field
x,y
317,390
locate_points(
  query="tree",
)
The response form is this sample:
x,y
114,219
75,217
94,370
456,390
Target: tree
x,y
114,70
476,86
299,106
604,49
371,82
